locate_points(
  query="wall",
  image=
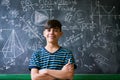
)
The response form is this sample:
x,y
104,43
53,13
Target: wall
x,y
91,30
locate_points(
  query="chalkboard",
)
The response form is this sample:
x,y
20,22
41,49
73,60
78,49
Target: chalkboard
x,y
91,30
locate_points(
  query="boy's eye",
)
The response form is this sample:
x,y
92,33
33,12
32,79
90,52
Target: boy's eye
x,y
48,30
56,30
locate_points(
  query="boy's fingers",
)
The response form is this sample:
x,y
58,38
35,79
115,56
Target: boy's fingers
x,y
69,61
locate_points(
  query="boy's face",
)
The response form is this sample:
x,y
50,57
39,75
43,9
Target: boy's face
x,y
52,34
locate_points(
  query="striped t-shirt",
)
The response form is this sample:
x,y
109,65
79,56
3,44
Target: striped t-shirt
x,y
42,59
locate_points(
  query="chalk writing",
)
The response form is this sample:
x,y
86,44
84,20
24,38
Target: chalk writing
x,y
91,31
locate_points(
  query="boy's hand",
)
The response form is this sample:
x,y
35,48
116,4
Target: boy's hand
x,y
68,67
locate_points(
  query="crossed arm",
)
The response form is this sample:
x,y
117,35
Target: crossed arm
x,y
66,72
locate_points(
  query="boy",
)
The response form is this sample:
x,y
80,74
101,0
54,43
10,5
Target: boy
x,y
52,62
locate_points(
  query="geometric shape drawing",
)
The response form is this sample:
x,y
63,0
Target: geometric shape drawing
x,y
40,17
12,47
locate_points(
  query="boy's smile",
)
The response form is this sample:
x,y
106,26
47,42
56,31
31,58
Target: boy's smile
x,y
52,34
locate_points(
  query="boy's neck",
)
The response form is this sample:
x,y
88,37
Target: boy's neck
x,y
52,47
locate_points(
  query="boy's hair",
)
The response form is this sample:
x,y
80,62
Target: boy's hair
x,y
53,24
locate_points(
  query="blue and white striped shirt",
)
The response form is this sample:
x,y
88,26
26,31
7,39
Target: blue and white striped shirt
x,y
42,59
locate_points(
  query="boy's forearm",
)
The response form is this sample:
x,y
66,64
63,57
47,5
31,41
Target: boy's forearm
x,y
42,77
37,75
61,74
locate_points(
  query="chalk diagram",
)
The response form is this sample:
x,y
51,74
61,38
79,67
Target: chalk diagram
x,y
39,17
11,49
99,39
104,25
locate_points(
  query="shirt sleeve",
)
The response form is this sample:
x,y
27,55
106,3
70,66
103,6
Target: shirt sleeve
x,y
34,61
70,58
